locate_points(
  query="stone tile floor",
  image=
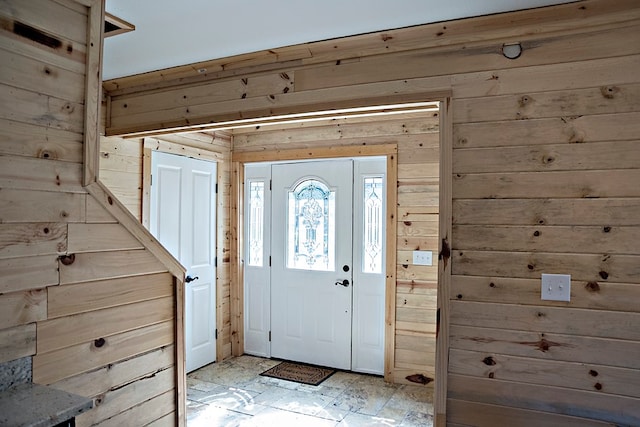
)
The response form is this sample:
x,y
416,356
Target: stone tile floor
x,y
232,393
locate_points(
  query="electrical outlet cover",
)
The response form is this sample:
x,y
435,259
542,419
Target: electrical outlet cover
x,y
422,258
556,287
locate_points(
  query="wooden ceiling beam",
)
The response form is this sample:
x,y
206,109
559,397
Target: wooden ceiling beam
x,y
508,27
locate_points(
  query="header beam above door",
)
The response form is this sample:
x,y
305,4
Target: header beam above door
x,y
315,153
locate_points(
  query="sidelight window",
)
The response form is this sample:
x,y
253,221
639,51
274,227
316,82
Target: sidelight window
x,y
256,223
372,242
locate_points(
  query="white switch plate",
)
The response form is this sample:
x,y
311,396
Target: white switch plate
x,y
422,258
556,287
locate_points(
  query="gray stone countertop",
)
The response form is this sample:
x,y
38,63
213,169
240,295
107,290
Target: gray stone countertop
x,y
36,405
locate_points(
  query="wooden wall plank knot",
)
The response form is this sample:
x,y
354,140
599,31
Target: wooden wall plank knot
x,y
445,252
609,92
592,286
489,361
67,259
543,344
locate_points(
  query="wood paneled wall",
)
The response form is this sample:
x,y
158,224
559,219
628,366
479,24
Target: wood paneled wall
x,y
78,292
546,175
121,170
545,152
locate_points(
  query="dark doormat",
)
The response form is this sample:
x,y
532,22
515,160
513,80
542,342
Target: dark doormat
x,y
299,372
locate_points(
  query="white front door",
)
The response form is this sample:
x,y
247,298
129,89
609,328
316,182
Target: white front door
x,y
311,272
183,219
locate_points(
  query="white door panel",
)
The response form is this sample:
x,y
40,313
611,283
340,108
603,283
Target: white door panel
x,y
369,268
165,211
182,217
257,281
200,295
310,313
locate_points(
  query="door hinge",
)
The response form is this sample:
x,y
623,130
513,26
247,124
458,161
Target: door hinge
x,y
215,262
216,334
150,180
269,336
270,182
269,260
216,188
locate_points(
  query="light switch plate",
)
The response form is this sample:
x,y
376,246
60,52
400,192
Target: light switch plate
x,y
556,287
422,258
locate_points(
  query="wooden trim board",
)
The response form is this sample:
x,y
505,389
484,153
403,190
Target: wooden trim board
x,y
93,90
237,249
315,153
444,264
390,267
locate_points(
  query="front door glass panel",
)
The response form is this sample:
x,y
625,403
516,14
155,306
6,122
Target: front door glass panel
x,y
311,227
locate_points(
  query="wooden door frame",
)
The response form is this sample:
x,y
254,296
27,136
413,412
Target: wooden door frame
x,y
445,219
445,224
390,151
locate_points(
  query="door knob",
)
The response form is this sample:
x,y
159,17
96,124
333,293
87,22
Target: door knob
x,y
344,283
190,279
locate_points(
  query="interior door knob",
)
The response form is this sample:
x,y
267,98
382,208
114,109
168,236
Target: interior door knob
x,y
344,283
190,279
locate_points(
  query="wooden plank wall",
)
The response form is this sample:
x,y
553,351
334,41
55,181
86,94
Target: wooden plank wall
x,y
78,292
417,139
122,169
546,165
545,153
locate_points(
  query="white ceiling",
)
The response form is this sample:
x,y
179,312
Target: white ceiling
x,y
171,33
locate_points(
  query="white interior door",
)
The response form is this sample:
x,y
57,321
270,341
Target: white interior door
x,y
183,219
311,292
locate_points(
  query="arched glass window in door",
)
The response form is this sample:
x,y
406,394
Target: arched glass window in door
x,y
311,227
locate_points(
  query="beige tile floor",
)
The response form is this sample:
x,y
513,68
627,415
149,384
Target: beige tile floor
x,y
232,393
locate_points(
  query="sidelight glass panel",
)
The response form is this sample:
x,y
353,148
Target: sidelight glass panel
x,y
311,227
256,223
372,243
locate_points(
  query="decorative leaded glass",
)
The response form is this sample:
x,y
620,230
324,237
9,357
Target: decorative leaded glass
x,y
256,221
311,227
372,242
